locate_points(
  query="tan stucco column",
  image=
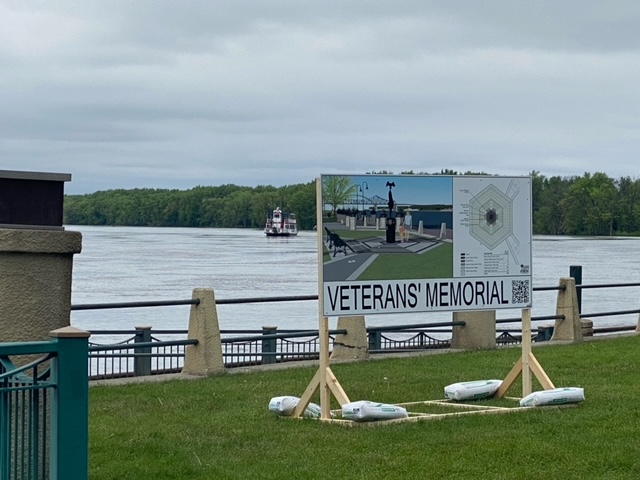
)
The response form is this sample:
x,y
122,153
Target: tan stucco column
x,y
35,282
479,331
568,329
205,358
354,344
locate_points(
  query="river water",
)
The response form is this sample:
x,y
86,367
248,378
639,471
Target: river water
x,y
126,264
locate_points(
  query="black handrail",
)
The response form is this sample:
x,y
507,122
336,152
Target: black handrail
x,y
154,303
290,298
541,289
533,319
415,325
609,314
273,336
609,285
628,328
131,346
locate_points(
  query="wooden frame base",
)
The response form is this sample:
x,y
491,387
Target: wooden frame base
x,y
469,409
326,381
525,365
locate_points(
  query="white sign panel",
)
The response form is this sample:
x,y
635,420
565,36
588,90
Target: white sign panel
x,y
415,243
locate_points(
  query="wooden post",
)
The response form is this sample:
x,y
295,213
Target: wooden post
x,y
324,379
526,364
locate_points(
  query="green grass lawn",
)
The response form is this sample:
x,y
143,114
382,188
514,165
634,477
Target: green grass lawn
x,y
220,427
436,263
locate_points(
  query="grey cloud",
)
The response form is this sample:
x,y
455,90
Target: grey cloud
x,y
151,94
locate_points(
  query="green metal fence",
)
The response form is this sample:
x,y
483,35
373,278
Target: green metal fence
x,y
44,408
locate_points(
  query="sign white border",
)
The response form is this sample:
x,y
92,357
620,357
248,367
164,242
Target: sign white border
x,y
492,231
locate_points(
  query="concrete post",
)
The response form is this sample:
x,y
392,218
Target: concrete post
x,y
421,227
205,358
478,333
353,345
443,231
35,282
569,329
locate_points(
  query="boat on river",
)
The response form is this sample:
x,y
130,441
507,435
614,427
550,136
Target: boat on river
x,y
281,224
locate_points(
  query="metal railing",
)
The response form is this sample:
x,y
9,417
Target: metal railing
x,y
270,346
140,355
43,410
143,354
416,337
24,418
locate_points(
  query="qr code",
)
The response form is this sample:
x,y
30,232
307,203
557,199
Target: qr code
x,y
520,291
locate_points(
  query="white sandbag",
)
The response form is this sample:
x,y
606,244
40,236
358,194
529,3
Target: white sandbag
x,y
555,396
285,405
472,390
364,410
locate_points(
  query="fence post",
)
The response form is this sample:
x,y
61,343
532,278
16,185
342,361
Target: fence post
x,y
375,340
269,345
575,271
479,331
70,405
352,345
142,364
569,329
205,358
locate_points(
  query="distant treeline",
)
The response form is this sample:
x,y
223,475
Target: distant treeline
x,y
592,204
228,206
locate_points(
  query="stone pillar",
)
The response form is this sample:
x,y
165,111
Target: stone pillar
x,y
569,329
205,358
478,333
353,345
35,281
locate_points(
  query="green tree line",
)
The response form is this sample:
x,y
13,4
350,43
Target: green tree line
x,y
591,204
229,206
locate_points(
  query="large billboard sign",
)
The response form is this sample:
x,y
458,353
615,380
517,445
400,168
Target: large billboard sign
x,y
417,243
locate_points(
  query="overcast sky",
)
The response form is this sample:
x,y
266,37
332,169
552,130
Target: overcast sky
x,y
159,94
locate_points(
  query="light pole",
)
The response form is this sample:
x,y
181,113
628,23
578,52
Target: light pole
x,y
364,185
